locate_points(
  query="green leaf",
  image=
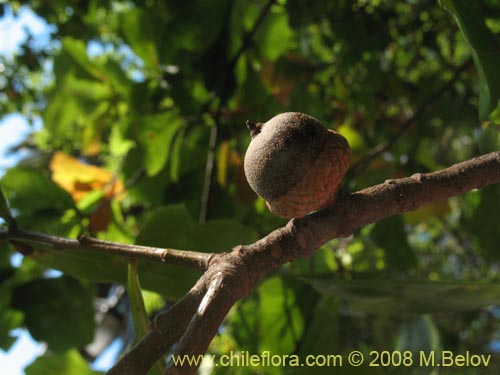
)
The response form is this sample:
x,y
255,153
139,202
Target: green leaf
x,y
59,115
139,32
171,281
354,138
222,235
274,36
418,334
88,203
484,223
86,89
80,98
191,29
200,23
137,307
168,226
495,115
485,50
320,338
76,103
67,363
119,144
95,123
390,235
395,297
156,133
58,311
76,50
4,209
270,319
9,320
22,185
153,301
489,138
172,226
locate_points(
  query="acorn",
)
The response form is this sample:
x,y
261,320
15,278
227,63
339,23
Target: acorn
x,y
295,163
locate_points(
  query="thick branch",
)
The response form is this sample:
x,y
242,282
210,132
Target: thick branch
x,y
229,281
302,236
186,258
237,272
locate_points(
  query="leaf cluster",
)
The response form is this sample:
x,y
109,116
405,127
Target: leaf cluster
x,y
143,105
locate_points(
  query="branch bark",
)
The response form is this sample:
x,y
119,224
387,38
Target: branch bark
x,y
185,258
230,276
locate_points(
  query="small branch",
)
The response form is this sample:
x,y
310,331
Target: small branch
x,y
209,170
358,168
186,258
248,37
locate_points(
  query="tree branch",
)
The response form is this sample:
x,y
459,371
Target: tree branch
x,y
249,36
229,281
186,258
235,273
302,236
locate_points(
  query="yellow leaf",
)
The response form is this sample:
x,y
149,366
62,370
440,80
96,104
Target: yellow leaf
x,y
78,178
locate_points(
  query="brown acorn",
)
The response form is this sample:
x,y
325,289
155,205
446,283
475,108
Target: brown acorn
x,y
295,163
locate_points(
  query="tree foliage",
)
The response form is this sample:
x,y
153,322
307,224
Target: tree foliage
x,y
143,105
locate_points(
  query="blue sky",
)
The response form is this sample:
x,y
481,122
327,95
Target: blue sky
x,y
13,29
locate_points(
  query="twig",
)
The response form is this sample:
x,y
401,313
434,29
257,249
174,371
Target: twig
x,y
362,164
248,37
209,170
186,258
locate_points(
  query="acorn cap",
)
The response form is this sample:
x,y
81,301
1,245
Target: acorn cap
x,y
281,152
